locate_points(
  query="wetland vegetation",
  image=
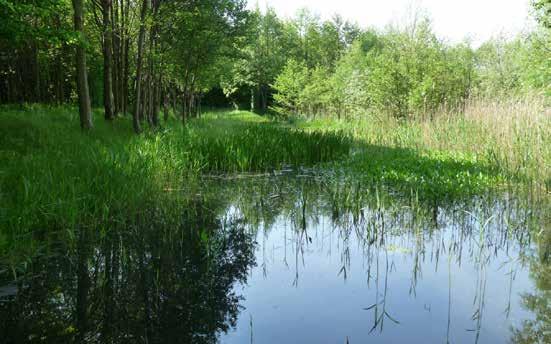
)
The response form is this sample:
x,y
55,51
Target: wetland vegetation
x,y
242,177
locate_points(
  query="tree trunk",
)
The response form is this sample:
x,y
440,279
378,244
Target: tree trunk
x,y
252,100
136,119
264,98
153,68
107,60
184,107
126,75
174,98
165,105
157,101
85,108
124,58
116,72
36,74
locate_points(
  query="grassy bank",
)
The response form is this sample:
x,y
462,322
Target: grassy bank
x,y
54,177
492,144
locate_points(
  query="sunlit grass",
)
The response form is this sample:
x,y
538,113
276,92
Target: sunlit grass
x,y
54,177
490,144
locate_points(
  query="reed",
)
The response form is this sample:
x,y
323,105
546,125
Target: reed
x,y
490,143
54,177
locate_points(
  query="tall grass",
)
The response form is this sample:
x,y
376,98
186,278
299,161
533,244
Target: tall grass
x,y
54,177
516,134
511,137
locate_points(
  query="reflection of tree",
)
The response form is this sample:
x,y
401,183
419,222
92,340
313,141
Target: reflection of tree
x,y
170,281
472,231
169,276
42,308
538,330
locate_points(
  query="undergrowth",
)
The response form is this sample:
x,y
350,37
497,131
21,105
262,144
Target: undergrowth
x,y
54,177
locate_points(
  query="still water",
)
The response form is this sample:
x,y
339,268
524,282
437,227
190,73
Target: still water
x,y
293,259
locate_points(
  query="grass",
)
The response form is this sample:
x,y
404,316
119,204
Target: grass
x,y
244,142
53,177
492,144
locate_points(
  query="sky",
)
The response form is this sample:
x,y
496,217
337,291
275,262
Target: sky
x,y
454,20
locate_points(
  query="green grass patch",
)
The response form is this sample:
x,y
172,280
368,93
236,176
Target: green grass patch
x,y
447,157
54,177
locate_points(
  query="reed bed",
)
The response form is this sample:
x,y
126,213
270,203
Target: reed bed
x,y
509,138
55,178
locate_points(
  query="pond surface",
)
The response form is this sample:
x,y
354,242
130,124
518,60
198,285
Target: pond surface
x,y
293,259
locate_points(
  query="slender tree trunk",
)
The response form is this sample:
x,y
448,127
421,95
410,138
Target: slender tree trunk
x,y
252,99
136,120
148,88
174,97
116,72
264,98
126,75
184,106
85,107
165,105
150,81
153,67
199,110
107,60
59,80
144,114
36,75
124,58
191,107
157,101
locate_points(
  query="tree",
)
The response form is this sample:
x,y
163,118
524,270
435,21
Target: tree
x,y
290,85
85,107
260,59
200,34
138,92
107,60
543,12
36,60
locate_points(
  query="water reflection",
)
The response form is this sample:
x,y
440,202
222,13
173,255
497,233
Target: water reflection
x,y
170,281
538,328
294,259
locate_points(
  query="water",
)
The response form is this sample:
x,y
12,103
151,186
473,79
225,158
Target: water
x,y
293,260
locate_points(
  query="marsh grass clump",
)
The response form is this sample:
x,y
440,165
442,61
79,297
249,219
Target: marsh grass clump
x,y
433,175
262,148
490,144
55,177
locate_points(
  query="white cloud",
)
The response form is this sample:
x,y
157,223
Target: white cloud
x,y
452,19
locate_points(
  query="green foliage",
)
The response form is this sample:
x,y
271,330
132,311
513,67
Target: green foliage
x,y
542,10
39,20
197,36
400,73
507,67
261,54
51,174
290,85
409,72
251,147
433,175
